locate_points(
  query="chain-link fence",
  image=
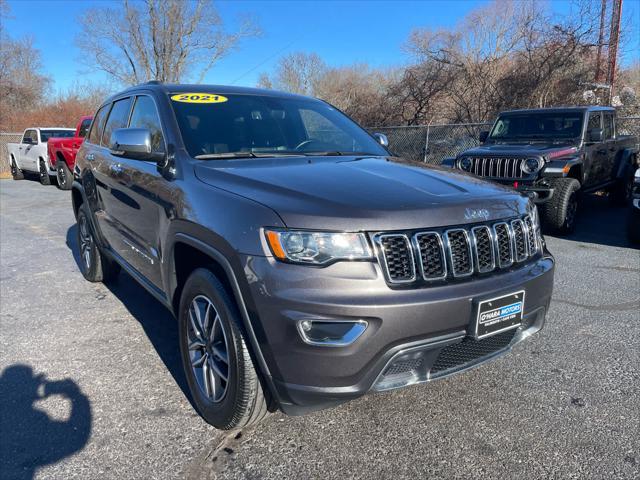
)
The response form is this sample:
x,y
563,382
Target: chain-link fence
x,y
4,152
423,143
433,143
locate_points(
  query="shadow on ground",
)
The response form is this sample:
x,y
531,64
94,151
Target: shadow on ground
x,y
600,222
31,438
157,322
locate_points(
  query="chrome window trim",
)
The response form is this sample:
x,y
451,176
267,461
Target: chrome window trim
x,y
382,258
450,253
525,239
416,246
475,248
497,244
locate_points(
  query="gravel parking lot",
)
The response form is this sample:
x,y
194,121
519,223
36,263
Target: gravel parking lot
x,y
91,384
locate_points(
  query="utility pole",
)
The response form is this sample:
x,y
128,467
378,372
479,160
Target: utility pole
x,y
614,40
603,14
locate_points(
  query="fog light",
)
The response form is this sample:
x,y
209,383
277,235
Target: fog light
x,y
326,333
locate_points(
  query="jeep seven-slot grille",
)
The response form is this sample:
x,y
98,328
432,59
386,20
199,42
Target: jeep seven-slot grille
x,y
497,167
455,253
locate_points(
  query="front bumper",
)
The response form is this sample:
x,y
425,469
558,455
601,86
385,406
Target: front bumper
x,y
424,321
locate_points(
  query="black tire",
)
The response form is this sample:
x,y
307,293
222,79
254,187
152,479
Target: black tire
x,y
622,193
63,175
43,173
16,173
633,225
243,401
95,267
559,214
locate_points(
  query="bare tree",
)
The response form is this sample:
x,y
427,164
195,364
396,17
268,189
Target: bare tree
x,y
296,73
166,40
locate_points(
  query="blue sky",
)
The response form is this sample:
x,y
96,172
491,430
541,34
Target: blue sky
x,y
341,32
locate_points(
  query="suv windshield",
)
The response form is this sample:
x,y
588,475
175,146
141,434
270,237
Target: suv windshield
x,y
45,135
238,125
543,126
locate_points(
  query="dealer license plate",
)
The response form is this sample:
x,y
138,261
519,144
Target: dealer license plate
x,y
499,314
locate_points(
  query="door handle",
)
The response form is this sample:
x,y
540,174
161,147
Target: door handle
x,y
91,157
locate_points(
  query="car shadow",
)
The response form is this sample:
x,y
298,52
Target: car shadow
x,y
157,322
31,438
600,222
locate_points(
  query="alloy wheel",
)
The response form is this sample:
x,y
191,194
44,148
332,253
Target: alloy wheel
x,y
14,169
62,177
86,241
208,349
43,171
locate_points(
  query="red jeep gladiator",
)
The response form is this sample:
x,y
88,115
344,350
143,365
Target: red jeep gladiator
x,y
62,153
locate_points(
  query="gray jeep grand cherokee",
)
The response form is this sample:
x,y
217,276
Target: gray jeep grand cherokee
x,y
305,264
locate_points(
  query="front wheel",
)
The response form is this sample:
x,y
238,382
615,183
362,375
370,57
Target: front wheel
x,y
560,213
44,173
16,173
623,191
222,379
94,266
64,175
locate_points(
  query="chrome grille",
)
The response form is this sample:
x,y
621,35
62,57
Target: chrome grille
x,y
459,248
398,258
432,262
484,251
504,245
457,252
497,167
520,240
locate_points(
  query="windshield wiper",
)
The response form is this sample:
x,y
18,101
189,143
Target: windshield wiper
x,y
227,155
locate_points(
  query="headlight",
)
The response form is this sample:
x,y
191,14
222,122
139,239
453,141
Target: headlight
x,y
465,164
317,248
531,165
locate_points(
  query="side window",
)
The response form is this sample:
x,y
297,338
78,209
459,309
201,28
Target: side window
x,y
118,118
608,126
98,125
84,126
30,135
145,115
595,121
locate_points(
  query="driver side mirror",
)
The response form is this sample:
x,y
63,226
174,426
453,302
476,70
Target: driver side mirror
x,y
595,135
483,136
382,139
132,143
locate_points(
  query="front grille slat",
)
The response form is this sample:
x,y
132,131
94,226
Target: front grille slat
x,y
459,248
432,261
498,167
457,252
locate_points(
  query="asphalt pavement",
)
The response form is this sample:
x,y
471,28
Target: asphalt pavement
x,y
91,384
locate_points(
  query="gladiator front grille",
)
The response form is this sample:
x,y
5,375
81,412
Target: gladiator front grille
x,y
456,253
459,355
497,167
398,258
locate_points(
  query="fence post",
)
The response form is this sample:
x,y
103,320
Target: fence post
x,y
426,143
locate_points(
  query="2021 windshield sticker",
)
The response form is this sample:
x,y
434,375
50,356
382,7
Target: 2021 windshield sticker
x,y
198,98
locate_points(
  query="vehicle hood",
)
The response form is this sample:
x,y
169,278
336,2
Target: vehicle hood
x,y
546,150
362,193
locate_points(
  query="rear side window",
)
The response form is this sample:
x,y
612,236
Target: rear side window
x,y
84,126
118,118
608,126
595,121
98,125
145,115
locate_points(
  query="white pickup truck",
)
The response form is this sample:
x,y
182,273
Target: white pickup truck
x,y
30,155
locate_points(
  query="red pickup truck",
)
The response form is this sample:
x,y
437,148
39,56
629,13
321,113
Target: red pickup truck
x,y
62,153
